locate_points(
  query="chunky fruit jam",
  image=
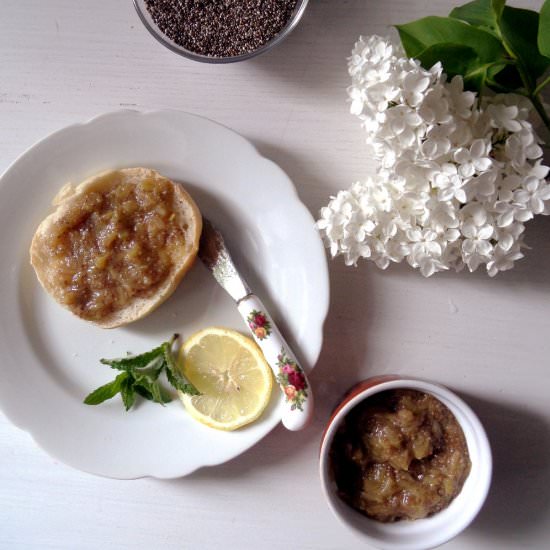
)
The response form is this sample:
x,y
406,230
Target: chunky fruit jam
x,y
400,454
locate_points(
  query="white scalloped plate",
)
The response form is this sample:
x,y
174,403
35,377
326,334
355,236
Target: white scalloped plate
x,y
50,359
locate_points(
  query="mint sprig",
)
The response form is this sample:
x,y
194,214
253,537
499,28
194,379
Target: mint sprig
x,y
107,391
139,377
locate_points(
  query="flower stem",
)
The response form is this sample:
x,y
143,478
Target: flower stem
x,y
542,85
531,88
537,103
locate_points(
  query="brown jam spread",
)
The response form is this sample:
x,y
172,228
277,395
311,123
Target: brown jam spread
x,y
400,454
116,243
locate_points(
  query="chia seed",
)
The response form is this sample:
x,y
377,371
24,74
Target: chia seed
x,y
221,28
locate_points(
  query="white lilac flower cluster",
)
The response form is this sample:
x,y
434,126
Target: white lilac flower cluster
x,y
457,178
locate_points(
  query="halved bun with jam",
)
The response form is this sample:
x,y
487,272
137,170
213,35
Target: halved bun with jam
x,y
117,245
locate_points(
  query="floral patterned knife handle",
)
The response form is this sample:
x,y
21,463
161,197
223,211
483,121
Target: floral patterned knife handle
x,y
289,374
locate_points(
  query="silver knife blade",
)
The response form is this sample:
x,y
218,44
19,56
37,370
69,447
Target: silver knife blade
x,y
297,411
216,257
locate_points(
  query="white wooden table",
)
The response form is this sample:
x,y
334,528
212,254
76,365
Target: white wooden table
x,y
63,61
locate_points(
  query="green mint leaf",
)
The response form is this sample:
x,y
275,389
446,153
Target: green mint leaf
x,y
180,384
174,380
156,393
421,34
140,377
151,390
169,357
173,374
107,391
189,389
519,30
159,394
143,392
150,376
154,372
134,361
165,394
127,392
543,34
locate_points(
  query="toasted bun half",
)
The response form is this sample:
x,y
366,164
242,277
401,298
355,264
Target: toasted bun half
x,y
82,253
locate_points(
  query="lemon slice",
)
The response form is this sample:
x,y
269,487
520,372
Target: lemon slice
x,y
232,375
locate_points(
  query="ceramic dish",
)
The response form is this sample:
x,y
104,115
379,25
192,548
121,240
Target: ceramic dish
x,y
50,359
421,533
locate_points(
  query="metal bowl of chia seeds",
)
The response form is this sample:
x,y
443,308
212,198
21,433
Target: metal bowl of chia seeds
x,y
211,31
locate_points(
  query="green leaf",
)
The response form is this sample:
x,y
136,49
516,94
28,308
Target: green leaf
x,y
173,374
155,373
165,394
151,375
180,384
140,390
127,392
155,392
543,33
134,361
419,35
175,380
140,377
151,390
480,13
498,7
169,357
457,59
519,29
107,391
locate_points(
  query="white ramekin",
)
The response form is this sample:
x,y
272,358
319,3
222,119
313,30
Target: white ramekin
x,y
421,533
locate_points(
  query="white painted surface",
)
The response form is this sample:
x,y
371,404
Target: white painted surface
x,y
64,61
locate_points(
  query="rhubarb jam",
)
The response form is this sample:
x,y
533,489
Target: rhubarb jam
x,y
399,454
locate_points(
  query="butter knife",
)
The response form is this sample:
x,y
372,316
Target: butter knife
x,y
290,376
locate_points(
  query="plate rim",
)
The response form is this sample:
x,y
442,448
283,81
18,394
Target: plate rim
x,y
290,187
